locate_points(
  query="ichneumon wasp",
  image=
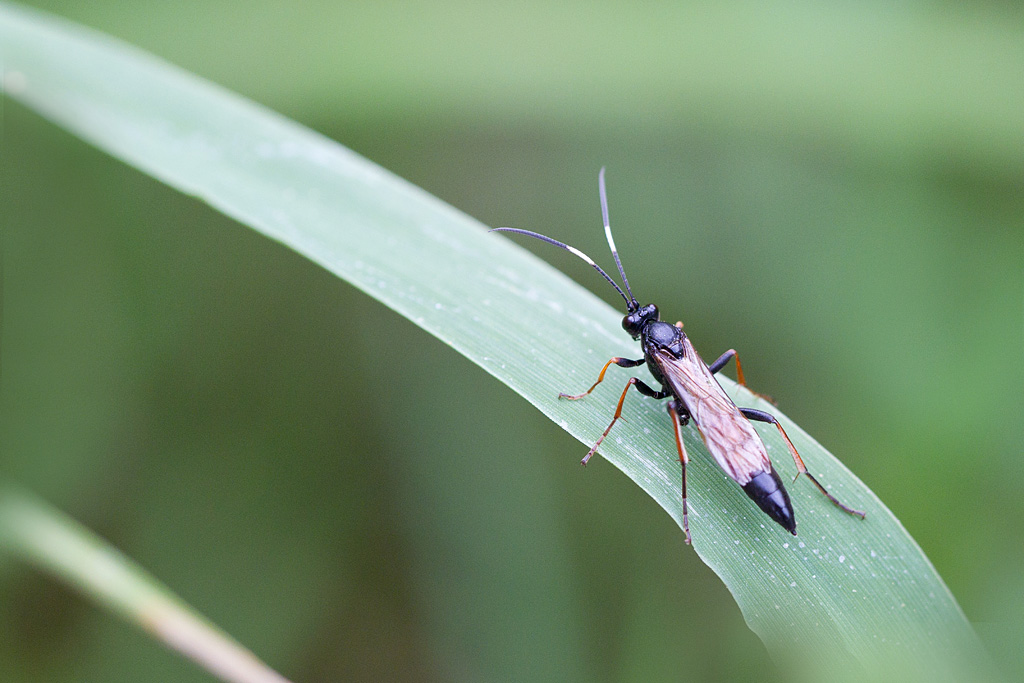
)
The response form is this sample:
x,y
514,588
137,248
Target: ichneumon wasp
x,y
694,394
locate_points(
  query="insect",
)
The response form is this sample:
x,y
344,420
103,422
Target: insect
x,y
694,394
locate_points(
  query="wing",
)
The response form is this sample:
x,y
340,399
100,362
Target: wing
x,y
729,436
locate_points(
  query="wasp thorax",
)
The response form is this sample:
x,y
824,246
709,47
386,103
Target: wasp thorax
x,y
635,321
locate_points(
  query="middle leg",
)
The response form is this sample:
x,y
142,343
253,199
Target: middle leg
x,y
643,389
724,359
680,416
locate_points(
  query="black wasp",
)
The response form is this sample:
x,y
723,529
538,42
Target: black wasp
x,y
695,394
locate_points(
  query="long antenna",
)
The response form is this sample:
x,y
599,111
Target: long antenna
x,y
632,305
631,302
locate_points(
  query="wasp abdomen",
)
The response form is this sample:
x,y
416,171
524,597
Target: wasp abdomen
x,y
767,491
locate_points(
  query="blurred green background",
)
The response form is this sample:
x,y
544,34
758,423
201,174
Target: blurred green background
x,y
835,191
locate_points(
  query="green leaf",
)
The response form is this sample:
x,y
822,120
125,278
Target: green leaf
x,y
42,536
846,598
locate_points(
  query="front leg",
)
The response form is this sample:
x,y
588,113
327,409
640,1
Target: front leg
x,y
621,362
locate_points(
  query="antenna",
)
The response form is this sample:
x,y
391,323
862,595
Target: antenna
x,y
631,301
631,304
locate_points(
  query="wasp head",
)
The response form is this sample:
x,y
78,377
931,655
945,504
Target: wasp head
x,y
635,321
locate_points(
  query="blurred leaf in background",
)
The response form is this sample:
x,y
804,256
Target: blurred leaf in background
x,y
834,191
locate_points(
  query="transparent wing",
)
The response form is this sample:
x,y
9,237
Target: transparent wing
x,y
729,436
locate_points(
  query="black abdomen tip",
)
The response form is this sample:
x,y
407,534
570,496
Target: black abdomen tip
x,y
767,491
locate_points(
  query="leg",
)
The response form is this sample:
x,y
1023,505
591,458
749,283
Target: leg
x,y
761,416
679,419
621,362
723,359
721,362
643,389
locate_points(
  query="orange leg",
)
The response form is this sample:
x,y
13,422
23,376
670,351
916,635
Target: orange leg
x,y
642,388
723,359
677,424
762,416
621,362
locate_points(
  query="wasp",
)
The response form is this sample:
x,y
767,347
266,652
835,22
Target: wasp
x,y
694,394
